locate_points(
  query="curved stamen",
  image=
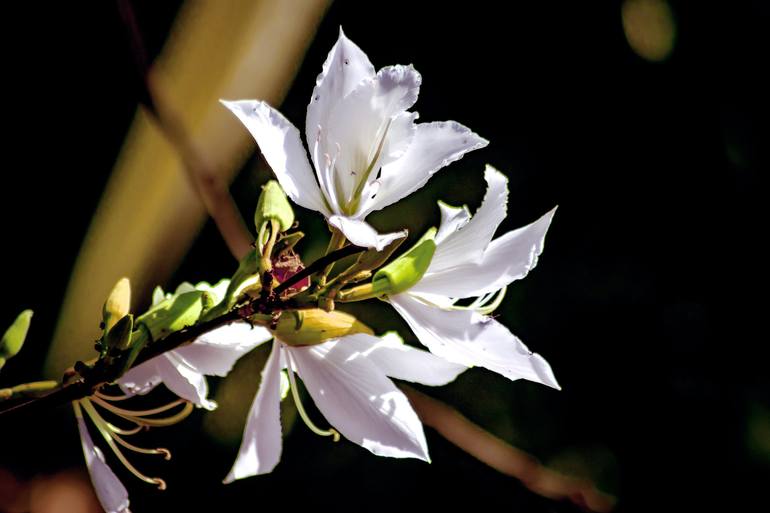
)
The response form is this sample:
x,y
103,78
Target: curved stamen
x,y
124,432
138,413
109,438
142,450
301,410
148,422
112,398
489,303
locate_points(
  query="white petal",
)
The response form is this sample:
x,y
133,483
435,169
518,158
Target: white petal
x,y
183,380
345,67
279,142
111,493
434,146
452,219
260,449
398,360
467,245
215,352
362,234
359,400
507,258
359,132
141,379
467,338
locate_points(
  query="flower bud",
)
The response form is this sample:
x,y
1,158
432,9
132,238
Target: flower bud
x,y
14,337
310,327
174,313
118,304
273,206
405,271
118,339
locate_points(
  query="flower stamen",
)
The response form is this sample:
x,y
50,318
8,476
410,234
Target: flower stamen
x,y
111,437
301,410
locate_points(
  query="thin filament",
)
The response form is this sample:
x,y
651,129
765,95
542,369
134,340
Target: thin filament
x,y
108,437
301,410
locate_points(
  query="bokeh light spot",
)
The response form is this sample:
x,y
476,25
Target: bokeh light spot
x,y
649,27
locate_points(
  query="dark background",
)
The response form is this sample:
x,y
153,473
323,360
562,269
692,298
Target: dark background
x,y
646,301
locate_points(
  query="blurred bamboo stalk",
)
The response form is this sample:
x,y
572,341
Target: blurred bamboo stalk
x,y
149,213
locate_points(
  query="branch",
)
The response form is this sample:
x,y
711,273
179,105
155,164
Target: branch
x,y
211,189
86,385
503,457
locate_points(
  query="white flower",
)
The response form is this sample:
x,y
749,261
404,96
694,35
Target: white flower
x,y
110,491
467,263
367,150
348,379
184,370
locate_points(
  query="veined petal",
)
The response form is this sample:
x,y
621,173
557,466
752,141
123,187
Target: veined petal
x,y
434,146
508,258
359,400
345,67
183,380
470,339
468,243
141,379
260,449
280,143
398,360
110,491
362,234
214,353
366,131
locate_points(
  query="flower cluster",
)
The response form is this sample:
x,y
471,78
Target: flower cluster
x,y
366,152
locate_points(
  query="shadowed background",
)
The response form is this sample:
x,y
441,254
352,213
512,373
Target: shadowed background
x,y
639,119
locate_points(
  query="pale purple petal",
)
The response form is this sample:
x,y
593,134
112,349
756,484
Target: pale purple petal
x,y
214,353
140,379
110,491
183,380
260,449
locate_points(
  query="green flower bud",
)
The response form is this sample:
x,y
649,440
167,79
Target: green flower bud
x,y
310,327
118,304
273,206
14,337
118,339
174,313
405,271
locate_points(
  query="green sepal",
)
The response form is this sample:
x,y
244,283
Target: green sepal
x,y
273,206
14,337
118,339
174,313
405,271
